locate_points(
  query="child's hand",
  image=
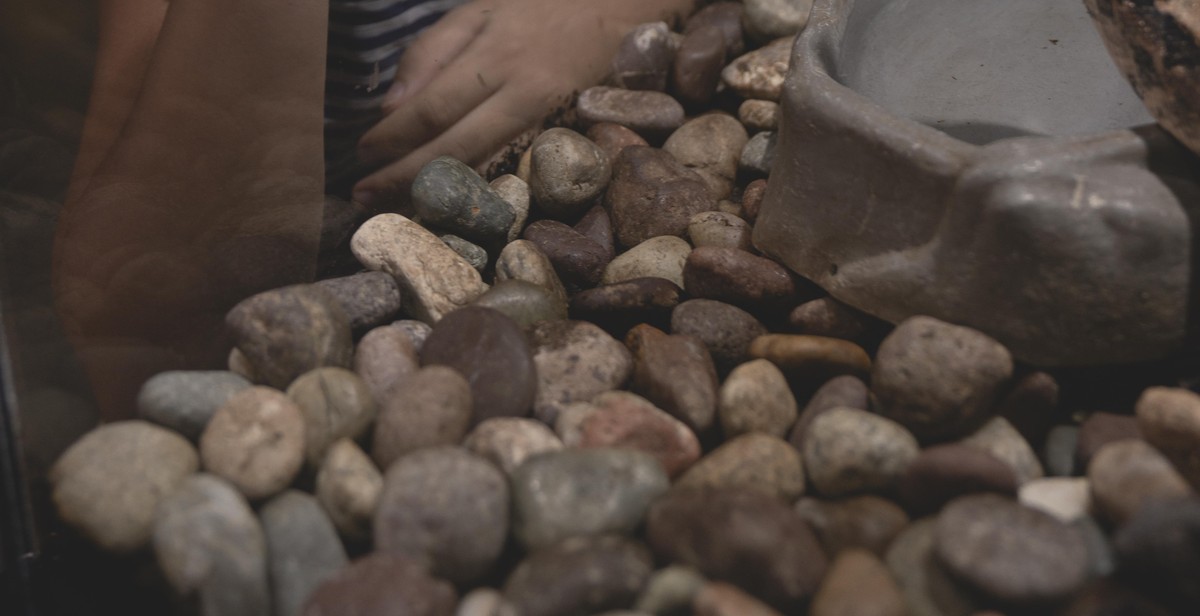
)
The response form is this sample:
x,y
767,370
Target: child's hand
x,y
486,73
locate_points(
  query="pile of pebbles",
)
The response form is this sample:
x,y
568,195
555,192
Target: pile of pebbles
x,y
578,389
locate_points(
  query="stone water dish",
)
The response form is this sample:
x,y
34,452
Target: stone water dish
x,y
984,163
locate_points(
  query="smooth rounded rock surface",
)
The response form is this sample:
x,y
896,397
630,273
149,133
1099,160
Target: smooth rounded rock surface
x,y
577,492
515,193
1169,419
744,537
657,257
577,259
725,329
446,507
758,156
583,575
653,194
430,408
722,599
767,20
612,138
524,302
1066,498
186,400
720,230
927,587
841,391
760,73
484,602
491,351
109,482
509,441
868,522
596,225
575,361
209,545
523,260
473,253
725,16
646,112
369,299
1012,553
676,373
643,58
753,461
698,64
939,380
433,279
303,549
759,115
999,438
336,404
942,473
1157,550
288,331
755,397
625,420
450,195
858,584
385,356
670,590
256,442
568,172
1128,474
382,584
847,450
737,277
1100,429
348,486
711,146
828,317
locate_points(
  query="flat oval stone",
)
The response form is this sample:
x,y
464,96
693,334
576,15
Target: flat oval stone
x,y
720,230
303,549
645,112
653,194
758,156
618,307
383,357
721,599
448,194
382,584
256,442
737,277
753,461
727,17
849,450
725,329
625,420
759,115
744,537
523,260
828,317
657,257
1157,550
675,373
1128,474
186,400
612,138
760,73
524,302
756,398
698,64
866,522
575,361
109,482
578,492
491,351
446,507
942,473
583,575
289,331
711,146
209,545
430,408
369,299
515,193
840,391
858,583
578,259
1014,554
335,404
474,254
508,441
643,57
1000,439
1169,419
433,279
811,357
568,172
348,486
767,20
939,380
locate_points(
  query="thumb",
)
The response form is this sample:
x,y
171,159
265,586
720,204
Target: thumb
x,y
432,51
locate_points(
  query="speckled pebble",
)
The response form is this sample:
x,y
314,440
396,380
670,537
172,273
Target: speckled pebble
x,y
753,461
383,357
575,361
760,73
622,419
336,404
515,193
848,451
756,398
256,441
725,329
759,115
711,145
370,299
523,260
348,486
653,194
740,278
509,441
647,112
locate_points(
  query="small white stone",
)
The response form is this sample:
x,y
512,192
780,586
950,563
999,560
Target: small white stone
x,y
658,257
1066,498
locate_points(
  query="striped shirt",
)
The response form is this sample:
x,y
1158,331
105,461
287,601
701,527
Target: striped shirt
x,y
366,39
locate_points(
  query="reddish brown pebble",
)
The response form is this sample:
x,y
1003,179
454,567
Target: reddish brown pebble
x,y
676,373
752,198
622,419
737,277
612,138
811,357
597,226
725,16
652,194
382,584
721,599
858,584
698,64
578,259
944,472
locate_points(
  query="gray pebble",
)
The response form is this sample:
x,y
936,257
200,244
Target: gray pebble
x,y
450,195
336,404
430,408
447,507
624,420
289,331
417,331
109,482
523,260
385,356
348,486
670,591
303,549
255,442
578,492
646,112
210,546
568,172
767,20
515,193
509,441
370,299
725,329
848,450
575,361
472,253
583,575
753,461
643,59
657,257
756,398
524,302
186,400
711,145
758,155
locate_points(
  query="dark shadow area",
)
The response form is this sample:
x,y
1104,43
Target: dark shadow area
x,y
981,133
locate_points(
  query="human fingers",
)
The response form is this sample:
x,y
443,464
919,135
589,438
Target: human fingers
x,y
432,51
